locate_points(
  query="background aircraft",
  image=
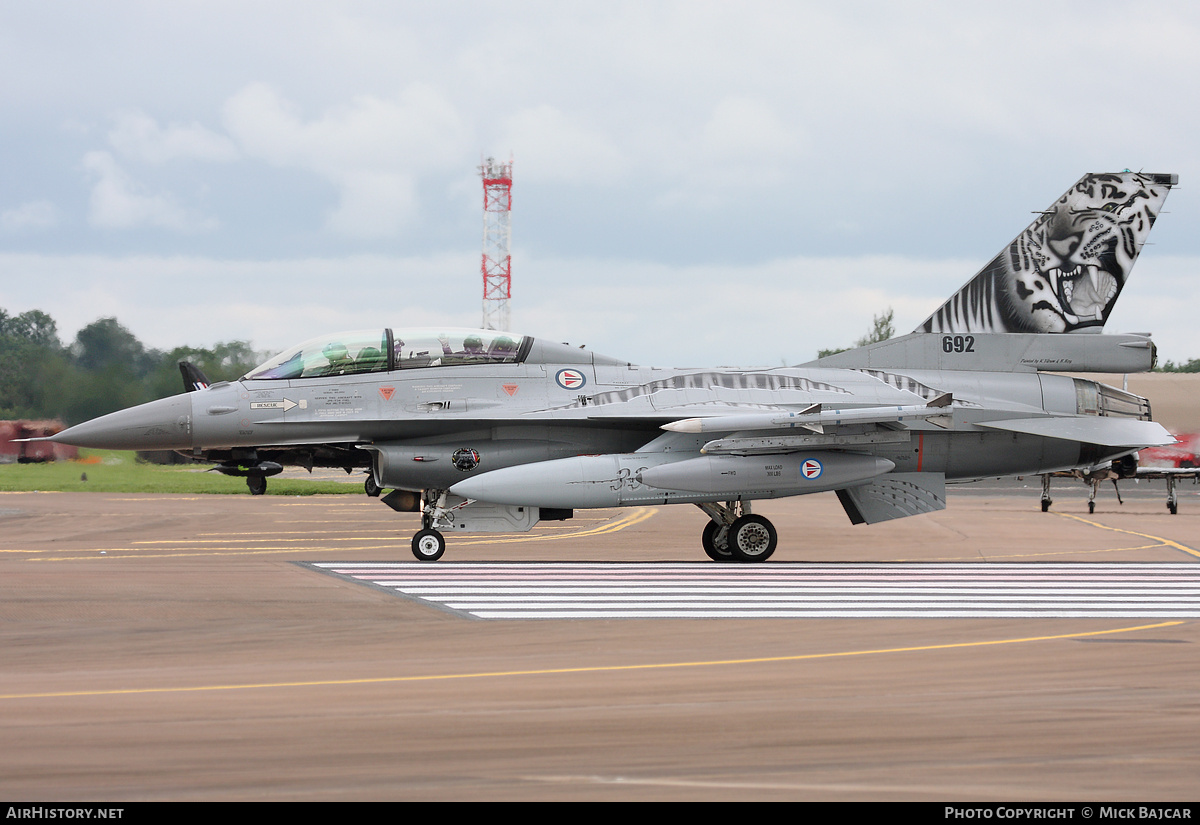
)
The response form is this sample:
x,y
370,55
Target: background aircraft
x,y
485,431
1172,464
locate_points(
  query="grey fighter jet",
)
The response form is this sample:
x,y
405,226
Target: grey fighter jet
x,y
485,431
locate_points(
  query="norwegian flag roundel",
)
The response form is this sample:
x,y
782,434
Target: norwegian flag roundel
x,y
570,379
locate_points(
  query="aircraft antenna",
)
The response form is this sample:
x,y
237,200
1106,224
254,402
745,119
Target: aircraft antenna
x,y
497,235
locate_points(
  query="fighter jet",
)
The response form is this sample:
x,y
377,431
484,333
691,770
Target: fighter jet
x,y
1126,468
487,431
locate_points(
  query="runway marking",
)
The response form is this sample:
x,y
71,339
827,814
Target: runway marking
x,y
638,515
356,535
192,547
648,590
1161,541
590,669
1069,551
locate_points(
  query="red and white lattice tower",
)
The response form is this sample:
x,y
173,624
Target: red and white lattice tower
x,y
497,235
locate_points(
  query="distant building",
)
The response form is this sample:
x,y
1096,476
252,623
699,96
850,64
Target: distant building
x,y
24,452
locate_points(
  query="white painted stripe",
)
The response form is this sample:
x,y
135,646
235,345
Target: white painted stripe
x,y
567,590
1049,613
651,589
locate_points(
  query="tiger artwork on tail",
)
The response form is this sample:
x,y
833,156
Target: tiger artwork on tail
x,y
1066,270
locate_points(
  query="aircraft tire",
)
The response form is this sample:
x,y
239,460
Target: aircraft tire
x,y
370,487
1174,508
428,545
752,539
1046,505
716,549
1091,506
257,485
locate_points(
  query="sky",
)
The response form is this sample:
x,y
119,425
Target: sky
x,y
695,183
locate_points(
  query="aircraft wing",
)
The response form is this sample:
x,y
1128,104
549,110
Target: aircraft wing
x,y
1090,429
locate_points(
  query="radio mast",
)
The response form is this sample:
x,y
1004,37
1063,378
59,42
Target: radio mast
x,y
497,235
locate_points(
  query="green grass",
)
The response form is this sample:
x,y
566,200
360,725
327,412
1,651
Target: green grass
x,y
110,471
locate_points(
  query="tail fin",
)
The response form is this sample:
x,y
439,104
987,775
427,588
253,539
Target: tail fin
x,y
193,378
1065,272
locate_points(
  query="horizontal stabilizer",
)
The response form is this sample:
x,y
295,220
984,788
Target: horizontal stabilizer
x,y
1001,352
1090,429
895,495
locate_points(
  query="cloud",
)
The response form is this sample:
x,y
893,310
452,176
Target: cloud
x,y
557,148
373,149
29,217
138,136
742,146
119,202
742,130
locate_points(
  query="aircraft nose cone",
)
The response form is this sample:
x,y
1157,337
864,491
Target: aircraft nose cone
x,y
165,424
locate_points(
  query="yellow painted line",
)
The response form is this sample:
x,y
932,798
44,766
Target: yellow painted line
x,y
594,669
387,526
242,539
135,553
1161,541
638,516
311,499
991,557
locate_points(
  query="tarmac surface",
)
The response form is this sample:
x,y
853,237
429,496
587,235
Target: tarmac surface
x,y
179,648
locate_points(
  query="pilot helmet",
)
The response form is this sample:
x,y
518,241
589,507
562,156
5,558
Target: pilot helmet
x,y
335,351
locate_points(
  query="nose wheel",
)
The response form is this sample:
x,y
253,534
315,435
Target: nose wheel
x,y
428,545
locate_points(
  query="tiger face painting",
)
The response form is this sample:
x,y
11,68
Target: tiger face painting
x,y
1066,270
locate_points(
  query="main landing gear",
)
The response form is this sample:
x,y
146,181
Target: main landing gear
x,y
734,534
1172,496
1095,482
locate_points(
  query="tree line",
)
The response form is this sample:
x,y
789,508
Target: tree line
x,y
106,368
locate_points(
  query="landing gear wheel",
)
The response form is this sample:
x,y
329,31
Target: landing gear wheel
x,y
715,539
752,538
1173,507
1091,506
428,545
372,489
257,485
1046,505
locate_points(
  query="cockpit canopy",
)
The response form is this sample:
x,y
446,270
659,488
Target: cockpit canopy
x,y
375,350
